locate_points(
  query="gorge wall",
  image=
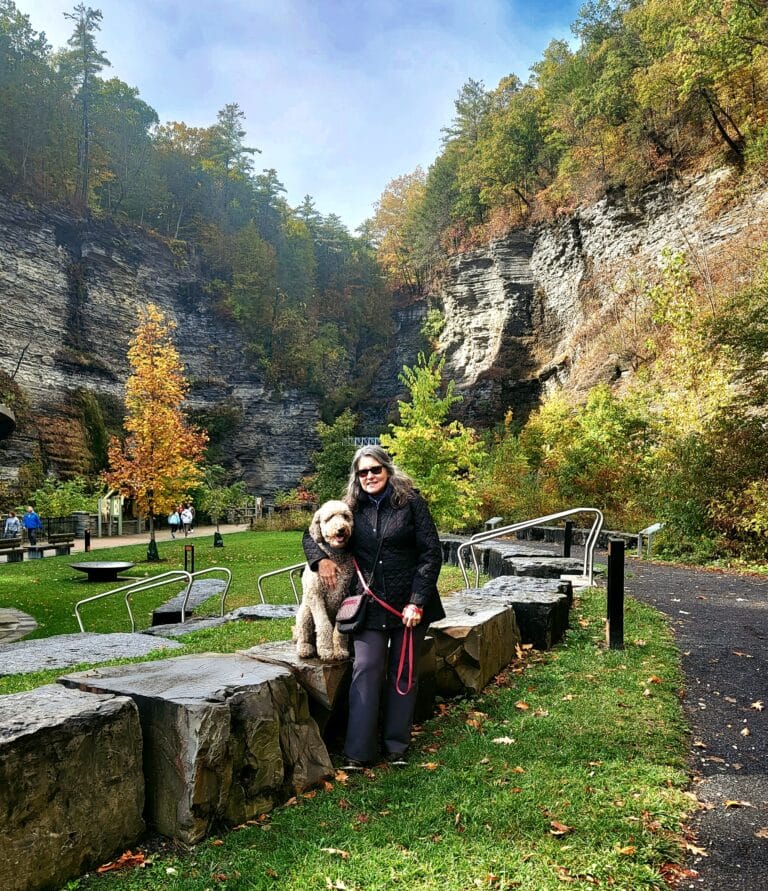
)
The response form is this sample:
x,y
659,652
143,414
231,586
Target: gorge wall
x,y
542,308
534,310
69,294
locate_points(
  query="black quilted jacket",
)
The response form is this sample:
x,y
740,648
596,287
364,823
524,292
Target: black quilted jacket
x,y
406,565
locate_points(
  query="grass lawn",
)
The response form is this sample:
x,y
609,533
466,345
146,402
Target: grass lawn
x,y
569,770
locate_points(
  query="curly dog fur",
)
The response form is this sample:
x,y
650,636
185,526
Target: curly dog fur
x,y
315,630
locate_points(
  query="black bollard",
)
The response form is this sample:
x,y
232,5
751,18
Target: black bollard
x,y
616,593
567,538
189,558
87,540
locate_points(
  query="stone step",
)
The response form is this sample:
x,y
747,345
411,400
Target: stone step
x,y
202,589
226,737
71,784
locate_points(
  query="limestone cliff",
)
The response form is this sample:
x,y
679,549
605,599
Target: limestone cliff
x,y
69,293
531,311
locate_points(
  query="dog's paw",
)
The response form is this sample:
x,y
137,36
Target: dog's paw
x,y
326,655
341,654
305,651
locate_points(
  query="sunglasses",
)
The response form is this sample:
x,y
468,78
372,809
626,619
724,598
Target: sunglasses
x,y
374,471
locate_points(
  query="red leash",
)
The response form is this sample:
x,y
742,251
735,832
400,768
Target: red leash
x,y
407,637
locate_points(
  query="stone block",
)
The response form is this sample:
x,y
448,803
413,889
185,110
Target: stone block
x,y
326,683
225,737
473,643
71,784
541,606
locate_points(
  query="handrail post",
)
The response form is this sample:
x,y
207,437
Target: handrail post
x,y
615,586
567,538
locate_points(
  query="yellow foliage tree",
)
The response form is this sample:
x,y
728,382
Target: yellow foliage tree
x,y
160,458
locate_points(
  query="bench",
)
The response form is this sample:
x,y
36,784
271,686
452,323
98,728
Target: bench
x,y
60,542
11,547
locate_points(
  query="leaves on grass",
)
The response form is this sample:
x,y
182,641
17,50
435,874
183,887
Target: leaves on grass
x,y
127,860
430,765
628,850
504,740
336,852
522,706
695,849
559,829
654,679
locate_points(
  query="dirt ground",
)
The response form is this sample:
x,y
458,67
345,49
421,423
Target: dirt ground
x,y
720,621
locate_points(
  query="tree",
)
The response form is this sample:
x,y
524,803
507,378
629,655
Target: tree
x,y
159,461
442,456
215,497
85,61
333,460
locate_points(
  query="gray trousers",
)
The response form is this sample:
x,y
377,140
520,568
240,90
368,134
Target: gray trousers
x,y
372,693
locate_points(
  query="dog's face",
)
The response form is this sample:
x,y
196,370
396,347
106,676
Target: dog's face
x,y
332,524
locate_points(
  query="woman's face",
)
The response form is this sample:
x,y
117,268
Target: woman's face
x,y
372,483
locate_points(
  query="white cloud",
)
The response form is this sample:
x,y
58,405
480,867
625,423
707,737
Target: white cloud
x,y
341,95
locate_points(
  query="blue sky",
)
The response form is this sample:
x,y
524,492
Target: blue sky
x,y
340,96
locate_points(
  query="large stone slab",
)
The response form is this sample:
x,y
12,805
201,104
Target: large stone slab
x,y
66,650
225,737
473,643
169,613
71,785
541,606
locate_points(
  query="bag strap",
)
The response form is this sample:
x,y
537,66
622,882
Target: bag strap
x,y
407,646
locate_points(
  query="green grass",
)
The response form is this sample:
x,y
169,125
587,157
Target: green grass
x,y
48,589
582,737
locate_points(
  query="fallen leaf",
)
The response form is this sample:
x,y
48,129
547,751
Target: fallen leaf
x,y
336,852
217,842
654,679
557,828
746,732
541,713
522,706
695,849
628,851
730,699
127,860
518,769
568,697
762,832
739,653
219,877
430,765
732,802
699,744
504,740
328,786
758,706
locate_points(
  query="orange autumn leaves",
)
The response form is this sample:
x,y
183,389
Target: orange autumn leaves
x,y
160,458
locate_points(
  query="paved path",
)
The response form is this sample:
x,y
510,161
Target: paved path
x,y
720,621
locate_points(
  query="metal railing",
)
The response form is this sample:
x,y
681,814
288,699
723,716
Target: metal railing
x,y
157,581
291,570
479,537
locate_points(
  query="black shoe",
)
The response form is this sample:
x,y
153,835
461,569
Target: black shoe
x,y
352,764
396,759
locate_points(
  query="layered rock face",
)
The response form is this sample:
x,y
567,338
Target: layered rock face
x,y
70,290
521,314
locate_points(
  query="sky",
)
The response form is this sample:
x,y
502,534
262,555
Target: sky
x,y
341,96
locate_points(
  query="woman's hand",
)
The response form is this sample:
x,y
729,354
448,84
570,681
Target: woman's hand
x,y
328,572
411,615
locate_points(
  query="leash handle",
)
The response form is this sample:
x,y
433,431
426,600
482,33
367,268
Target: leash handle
x,y
407,646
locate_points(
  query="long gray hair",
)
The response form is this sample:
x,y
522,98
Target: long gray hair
x,y
400,483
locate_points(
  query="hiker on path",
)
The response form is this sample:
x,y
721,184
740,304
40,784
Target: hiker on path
x,y
32,523
12,528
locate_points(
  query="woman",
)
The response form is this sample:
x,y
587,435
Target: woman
x,y
398,551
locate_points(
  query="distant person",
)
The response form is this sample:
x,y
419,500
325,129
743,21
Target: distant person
x,y
32,523
174,521
186,519
12,528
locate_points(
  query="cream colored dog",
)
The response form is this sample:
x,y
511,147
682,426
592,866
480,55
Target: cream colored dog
x,y
315,630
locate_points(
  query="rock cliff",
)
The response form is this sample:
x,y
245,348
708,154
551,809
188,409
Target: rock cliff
x,y
530,312
69,294
527,313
